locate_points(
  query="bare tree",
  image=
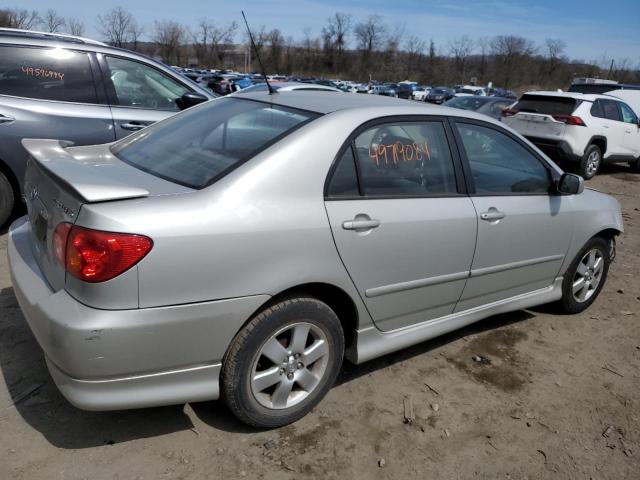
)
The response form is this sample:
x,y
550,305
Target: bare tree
x,y
169,36
115,26
275,40
75,27
510,52
484,44
335,37
414,48
134,33
210,40
460,49
23,19
52,21
370,34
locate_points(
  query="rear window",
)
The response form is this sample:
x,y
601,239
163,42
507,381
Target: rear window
x,y
550,105
201,145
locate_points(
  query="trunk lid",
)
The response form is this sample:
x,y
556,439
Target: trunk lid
x,y
535,115
536,125
59,180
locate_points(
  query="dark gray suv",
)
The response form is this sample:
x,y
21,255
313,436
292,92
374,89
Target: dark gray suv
x,y
80,90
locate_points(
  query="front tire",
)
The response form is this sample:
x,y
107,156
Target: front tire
x,y
586,276
283,362
7,199
590,163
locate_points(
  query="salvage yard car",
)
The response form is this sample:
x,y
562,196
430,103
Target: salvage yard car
x,y
242,248
584,130
76,89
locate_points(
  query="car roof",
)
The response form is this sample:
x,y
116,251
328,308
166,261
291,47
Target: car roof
x,y
576,95
322,103
31,34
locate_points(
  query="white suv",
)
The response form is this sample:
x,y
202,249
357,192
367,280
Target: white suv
x,y
580,128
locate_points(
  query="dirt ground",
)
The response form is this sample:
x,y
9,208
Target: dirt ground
x,y
557,398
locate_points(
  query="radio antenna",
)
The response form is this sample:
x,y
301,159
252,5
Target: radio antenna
x,y
255,49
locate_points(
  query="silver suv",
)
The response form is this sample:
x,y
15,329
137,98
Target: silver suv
x,y
80,90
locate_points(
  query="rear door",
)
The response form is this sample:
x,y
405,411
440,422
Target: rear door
x,y
139,94
49,93
403,227
614,128
523,229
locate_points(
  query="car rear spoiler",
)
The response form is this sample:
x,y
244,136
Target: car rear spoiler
x,y
91,183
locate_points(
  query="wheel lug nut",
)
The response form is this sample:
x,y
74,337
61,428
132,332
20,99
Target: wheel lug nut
x,y
290,376
300,365
281,371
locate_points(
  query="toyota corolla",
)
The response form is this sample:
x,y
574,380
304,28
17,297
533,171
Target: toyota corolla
x,y
242,248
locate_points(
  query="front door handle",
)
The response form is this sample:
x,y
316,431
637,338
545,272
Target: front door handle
x,y
492,215
361,223
6,118
133,125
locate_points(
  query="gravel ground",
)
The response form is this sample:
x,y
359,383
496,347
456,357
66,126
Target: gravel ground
x,y
557,398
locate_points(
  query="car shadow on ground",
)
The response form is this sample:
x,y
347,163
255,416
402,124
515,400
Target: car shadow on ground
x,y
38,401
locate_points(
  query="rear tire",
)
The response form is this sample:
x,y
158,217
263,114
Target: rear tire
x,y
590,163
7,199
585,277
283,362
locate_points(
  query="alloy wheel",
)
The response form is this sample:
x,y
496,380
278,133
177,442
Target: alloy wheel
x,y
588,275
289,366
593,163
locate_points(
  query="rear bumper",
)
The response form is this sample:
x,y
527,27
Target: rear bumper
x,y
556,149
116,359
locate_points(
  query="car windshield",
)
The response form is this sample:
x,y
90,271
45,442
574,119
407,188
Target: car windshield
x,y
439,91
549,105
202,144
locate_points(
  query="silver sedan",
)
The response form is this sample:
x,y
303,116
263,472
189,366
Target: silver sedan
x,y
243,247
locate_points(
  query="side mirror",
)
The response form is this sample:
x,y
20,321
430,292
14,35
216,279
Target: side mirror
x,y
570,184
190,99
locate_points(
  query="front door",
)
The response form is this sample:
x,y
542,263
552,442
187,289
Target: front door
x,y
631,141
406,235
139,94
523,229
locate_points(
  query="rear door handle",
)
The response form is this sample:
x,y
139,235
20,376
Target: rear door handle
x,y
133,125
6,118
492,215
360,224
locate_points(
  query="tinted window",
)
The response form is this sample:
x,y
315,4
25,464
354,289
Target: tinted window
x,y
501,165
597,110
344,182
46,74
139,85
201,144
611,111
405,159
549,105
628,116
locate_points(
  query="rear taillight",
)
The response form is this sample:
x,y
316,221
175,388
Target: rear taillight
x,y
569,120
60,236
508,112
97,256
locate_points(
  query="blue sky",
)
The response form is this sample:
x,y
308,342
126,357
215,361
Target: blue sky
x,y
592,29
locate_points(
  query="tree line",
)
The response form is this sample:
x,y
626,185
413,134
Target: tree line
x,y
346,47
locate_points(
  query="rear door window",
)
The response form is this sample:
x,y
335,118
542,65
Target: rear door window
x,y
405,159
548,105
202,144
597,110
46,74
611,111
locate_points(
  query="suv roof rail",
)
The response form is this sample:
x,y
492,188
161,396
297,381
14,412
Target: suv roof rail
x,y
15,32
